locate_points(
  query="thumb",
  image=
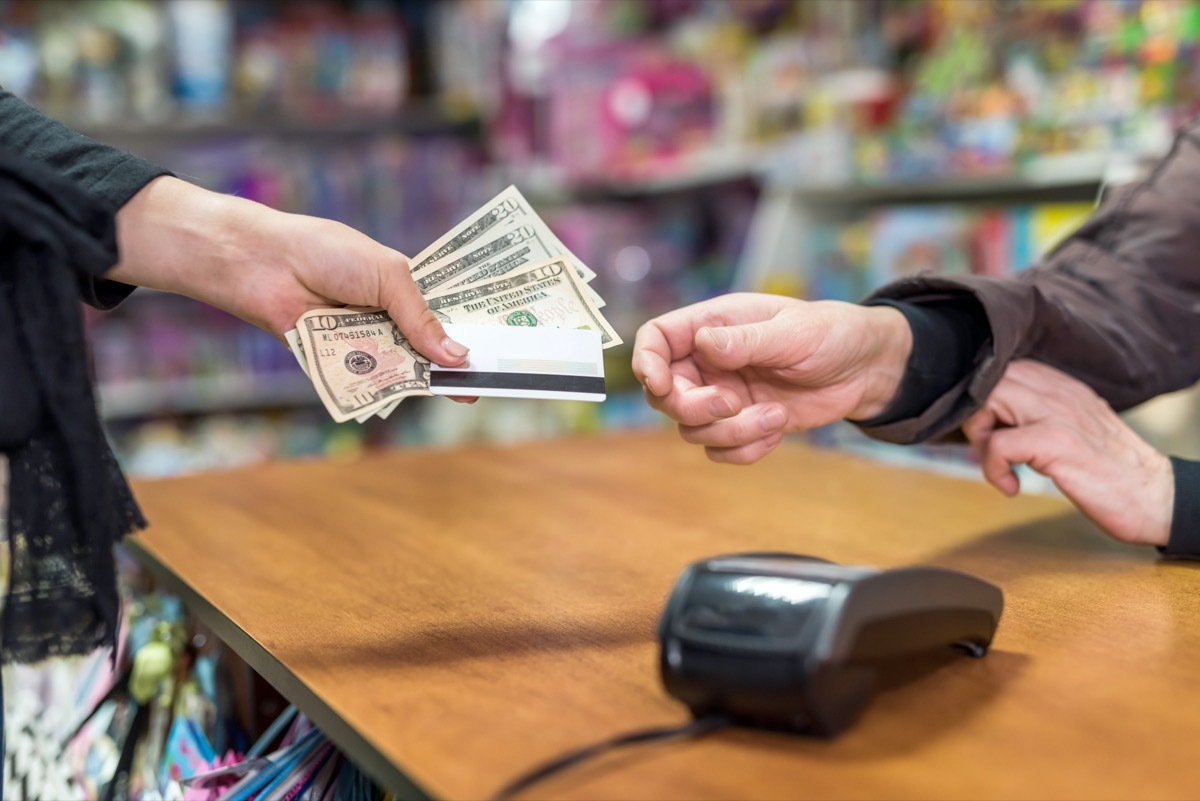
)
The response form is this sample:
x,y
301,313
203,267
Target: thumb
x,y
416,321
733,347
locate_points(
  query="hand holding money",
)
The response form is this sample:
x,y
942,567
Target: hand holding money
x,y
501,266
265,266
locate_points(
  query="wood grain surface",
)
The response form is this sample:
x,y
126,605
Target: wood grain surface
x,y
452,617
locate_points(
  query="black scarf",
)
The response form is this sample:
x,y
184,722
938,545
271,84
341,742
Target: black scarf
x,y
68,502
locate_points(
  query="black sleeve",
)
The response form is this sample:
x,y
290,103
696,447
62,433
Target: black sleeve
x,y
1185,517
1114,305
948,339
109,175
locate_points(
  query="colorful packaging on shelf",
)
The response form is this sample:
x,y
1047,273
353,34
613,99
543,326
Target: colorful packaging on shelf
x,y
201,48
626,110
849,258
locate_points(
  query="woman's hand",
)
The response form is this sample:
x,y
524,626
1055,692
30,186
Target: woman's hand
x,y
265,266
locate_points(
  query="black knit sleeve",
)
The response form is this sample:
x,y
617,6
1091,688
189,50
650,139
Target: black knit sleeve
x,y
1185,519
109,175
948,340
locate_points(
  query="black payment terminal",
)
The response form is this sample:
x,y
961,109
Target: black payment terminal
x,y
797,643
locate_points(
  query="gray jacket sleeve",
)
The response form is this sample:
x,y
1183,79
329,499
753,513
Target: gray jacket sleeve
x,y
108,174
1117,305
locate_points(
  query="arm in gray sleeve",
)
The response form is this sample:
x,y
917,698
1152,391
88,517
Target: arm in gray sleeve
x,y
1117,305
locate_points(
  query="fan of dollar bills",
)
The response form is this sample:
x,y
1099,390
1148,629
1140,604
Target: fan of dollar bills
x,y
500,266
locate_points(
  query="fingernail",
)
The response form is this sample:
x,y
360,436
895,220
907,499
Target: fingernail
x,y
720,407
455,349
772,420
720,338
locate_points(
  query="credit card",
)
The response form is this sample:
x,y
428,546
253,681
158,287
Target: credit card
x,y
519,362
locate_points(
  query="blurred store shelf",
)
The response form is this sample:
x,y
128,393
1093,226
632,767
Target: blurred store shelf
x,y
201,394
1061,176
419,118
685,173
984,188
1068,175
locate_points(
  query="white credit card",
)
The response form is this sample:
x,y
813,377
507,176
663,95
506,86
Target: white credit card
x,y
518,362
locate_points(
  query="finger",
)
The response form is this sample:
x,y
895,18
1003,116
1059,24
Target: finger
x,y
652,359
998,470
688,369
745,454
691,407
748,426
659,345
1013,402
672,336
462,399
416,321
1037,445
682,374
979,427
694,405
733,347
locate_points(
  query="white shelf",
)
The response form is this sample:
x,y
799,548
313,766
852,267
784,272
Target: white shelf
x,y
227,393
1071,174
1078,175
789,206
949,189
704,168
418,117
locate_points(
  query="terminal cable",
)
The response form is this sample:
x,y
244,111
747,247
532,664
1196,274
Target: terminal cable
x,y
695,728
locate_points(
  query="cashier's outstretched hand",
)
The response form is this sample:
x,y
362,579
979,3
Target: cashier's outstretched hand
x,y
266,266
739,371
1057,425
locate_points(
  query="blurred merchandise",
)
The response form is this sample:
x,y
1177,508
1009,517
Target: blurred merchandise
x,y
589,89
656,253
131,61
626,109
838,92
467,43
316,61
851,257
399,191
18,55
680,147
174,715
160,338
201,47
1050,224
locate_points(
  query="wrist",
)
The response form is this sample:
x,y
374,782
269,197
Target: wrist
x,y
1160,498
889,345
180,238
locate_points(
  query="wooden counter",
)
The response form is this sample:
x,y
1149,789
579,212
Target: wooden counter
x,y
450,618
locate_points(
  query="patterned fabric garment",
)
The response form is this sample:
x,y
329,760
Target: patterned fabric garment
x,y
68,503
3,595
3,538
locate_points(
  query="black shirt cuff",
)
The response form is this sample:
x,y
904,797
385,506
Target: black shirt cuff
x,y
119,189
948,337
1184,541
